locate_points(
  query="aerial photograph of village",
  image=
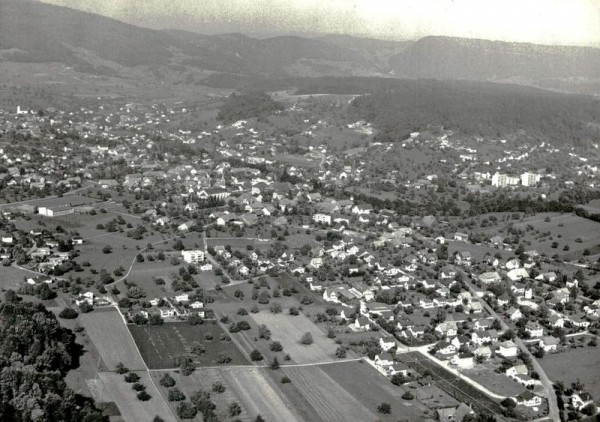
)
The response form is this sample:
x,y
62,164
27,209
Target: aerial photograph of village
x,y
335,211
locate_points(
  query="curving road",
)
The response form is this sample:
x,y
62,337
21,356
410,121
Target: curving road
x,y
553,412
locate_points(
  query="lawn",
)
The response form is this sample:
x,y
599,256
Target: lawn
x,y
160,345
373,389
115,389
560,367
112,340
288,329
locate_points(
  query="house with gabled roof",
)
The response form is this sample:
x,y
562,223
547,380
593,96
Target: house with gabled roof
x,y
549,343
527,398
581,400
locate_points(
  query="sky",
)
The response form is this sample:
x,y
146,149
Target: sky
x,y
561,22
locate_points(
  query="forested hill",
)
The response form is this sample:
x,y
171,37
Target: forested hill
x,y
35,355
479,109
244,106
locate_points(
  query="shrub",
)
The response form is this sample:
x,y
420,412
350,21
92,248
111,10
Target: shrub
x,y
121,368
223,358
68,313
306,339
218,387
264,332
132,377
408,396
143,396
276,346
234,409
138,386
256,356
285,380
186,410
175,394
384,408
167,381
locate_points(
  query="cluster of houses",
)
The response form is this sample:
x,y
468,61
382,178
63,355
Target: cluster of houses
x,y
178,306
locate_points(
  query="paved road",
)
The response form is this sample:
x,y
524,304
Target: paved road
x,y
553,412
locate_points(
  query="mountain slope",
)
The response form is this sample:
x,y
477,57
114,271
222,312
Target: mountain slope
x,y
457,58
37,32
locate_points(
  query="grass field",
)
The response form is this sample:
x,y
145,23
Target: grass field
x,y
497,383
12,278
203,379
160,345
288,329
569,227
111,338
331,402
559,367
373,389
115,389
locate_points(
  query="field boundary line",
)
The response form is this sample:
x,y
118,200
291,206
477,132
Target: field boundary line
x,y
147,370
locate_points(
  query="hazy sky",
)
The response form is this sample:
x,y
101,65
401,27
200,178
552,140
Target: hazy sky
x,y
574,22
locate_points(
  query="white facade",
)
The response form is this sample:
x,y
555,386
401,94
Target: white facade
x,y
192,257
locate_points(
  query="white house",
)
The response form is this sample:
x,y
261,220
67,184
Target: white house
x,y
184,297
463,360
508,349
387,343
527,398
322,218
193,256
581,400
549,343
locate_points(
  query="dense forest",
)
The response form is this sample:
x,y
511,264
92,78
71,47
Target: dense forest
x,y
35,355
398,107
243,106
479,109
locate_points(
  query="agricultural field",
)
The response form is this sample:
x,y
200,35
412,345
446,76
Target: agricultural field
x,y
288,329
203,379
106,329
259,394
330,400
160,345
373,389
111,387
560,367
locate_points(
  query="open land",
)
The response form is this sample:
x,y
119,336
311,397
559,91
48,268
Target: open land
x,y
161,345
110,336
